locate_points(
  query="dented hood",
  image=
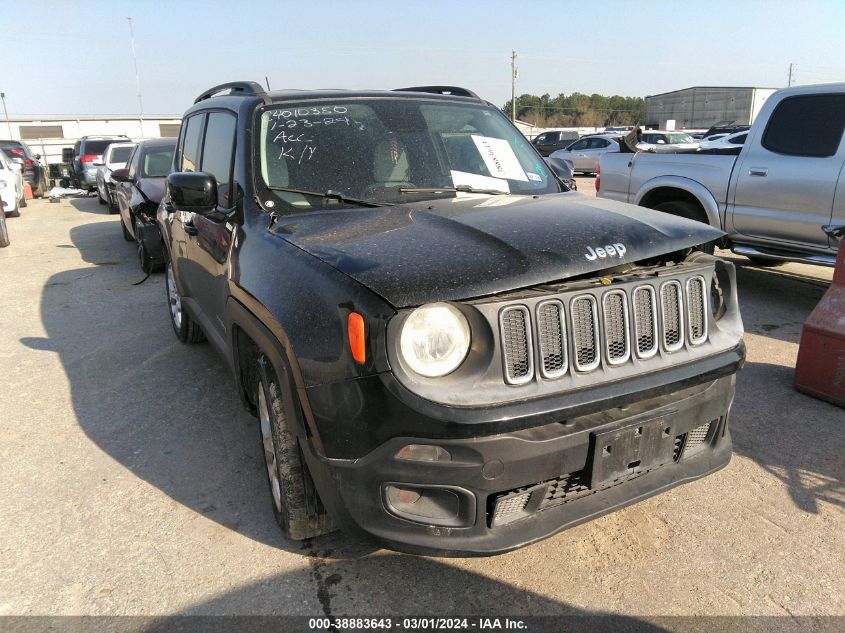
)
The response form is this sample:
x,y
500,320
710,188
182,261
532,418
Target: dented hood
x,y
461,248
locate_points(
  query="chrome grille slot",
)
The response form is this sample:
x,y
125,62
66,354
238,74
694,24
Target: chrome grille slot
x,y
697,310
551,331
672,314
584,316
645,321
518,357
617,344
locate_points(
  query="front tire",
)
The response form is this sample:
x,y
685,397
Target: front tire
x,y
184,327
296,504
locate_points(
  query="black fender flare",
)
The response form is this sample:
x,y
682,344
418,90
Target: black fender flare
x,y
278,351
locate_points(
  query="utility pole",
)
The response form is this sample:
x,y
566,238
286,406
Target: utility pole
x,y
137,76
6,112
514,75
790,75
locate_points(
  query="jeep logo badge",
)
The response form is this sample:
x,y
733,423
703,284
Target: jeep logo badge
x,y
609,250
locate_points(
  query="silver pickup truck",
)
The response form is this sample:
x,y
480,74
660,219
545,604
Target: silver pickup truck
x,y
778,198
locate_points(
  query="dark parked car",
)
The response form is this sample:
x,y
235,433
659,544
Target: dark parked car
x,y
138,190
87,156
549,142
445,349
33,171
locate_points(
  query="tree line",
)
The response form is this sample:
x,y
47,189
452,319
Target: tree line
x,y
578,110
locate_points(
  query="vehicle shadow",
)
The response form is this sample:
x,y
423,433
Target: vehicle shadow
x,y
797,439
88,204
166,411
391,586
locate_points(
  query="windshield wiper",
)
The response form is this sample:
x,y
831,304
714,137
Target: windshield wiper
x,y
331,195
459,188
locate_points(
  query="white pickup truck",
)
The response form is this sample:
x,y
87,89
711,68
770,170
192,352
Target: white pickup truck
x,y
779,198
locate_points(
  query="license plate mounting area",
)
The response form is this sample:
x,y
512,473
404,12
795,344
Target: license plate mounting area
x,y
621,453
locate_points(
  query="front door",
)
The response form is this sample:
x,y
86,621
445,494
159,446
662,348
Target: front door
x,y
209,249
787,178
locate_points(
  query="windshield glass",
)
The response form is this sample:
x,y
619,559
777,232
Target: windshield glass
x,y
372,149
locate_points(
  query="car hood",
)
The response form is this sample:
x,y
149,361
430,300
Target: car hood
x,y
152,188
461,248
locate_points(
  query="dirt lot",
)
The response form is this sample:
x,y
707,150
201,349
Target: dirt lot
x,y
132,480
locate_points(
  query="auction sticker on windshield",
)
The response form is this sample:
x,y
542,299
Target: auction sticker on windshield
x,y
499,157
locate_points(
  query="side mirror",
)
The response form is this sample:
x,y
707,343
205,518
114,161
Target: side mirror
x,y
562,168
120,175
194,192
38,157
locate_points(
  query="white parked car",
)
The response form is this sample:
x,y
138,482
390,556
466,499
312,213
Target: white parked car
x,y
666,141
585,152
11,186
725,141
116,156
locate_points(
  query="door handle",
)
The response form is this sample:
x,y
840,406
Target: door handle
x,y
190,229
758,171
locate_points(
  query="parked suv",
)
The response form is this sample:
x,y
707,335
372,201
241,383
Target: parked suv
x,y
87,156
33,171
549,142
445,350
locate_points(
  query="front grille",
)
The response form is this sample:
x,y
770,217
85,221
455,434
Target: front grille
x,y
673,320
697,310
584,329
515,328
551,330
645,321
602,328
616,338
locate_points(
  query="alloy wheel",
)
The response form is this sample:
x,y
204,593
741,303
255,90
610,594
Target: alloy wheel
x,y
269,448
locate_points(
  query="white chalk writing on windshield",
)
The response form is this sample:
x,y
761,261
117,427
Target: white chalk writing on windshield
x,y
294,152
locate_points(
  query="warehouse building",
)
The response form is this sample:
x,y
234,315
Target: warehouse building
x,y
702,106
48,135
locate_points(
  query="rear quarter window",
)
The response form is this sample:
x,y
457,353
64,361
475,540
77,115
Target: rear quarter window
x,y
806,125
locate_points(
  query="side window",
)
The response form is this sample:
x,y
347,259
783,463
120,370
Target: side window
x,y
806,125
579,145
541,140
217,153
133,162
191,143
739,140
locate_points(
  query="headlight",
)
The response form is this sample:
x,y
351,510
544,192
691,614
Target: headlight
x,y
435,339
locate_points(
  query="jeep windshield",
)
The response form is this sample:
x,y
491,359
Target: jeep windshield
x,y
393,150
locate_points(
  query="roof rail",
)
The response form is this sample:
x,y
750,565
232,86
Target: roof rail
x,y
235,88
441,90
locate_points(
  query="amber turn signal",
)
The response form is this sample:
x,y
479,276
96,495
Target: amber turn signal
x,y
355,326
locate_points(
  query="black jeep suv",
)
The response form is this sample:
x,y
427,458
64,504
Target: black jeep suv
x,y
446,351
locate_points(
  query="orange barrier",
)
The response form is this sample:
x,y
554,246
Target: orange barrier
x,y
820,370
27,190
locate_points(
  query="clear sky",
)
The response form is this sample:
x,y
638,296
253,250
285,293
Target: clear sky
x,y
73,57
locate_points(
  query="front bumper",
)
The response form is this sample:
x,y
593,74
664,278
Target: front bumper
x,y
543,472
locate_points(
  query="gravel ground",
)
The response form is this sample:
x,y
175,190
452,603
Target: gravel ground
x,y
132,479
